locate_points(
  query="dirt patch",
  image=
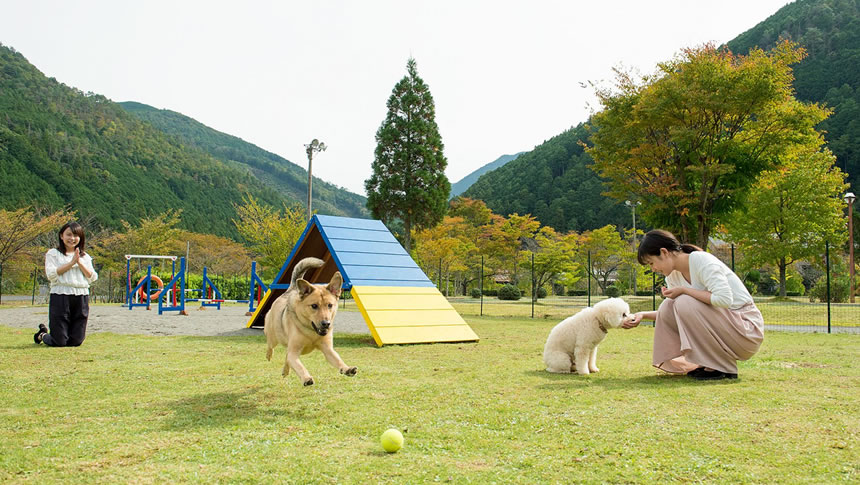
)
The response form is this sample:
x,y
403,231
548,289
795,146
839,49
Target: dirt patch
x,y
230,320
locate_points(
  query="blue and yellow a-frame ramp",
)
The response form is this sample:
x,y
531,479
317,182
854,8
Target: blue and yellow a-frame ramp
x,y
400,305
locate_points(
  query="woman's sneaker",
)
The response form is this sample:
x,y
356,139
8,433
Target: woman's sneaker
x,y
37,337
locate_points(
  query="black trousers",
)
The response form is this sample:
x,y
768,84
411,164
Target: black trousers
x,y
67,320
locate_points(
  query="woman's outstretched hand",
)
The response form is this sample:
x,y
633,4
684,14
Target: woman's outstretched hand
x,y
632,321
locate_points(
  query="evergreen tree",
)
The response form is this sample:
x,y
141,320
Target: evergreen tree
x,y
408,181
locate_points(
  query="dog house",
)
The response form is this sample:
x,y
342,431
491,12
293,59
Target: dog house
x,y
399,303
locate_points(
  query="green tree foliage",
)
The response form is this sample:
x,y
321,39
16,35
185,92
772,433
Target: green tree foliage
x,y
690,140
270,234
830,32
20,228
60,147
553,183
791,211
285,177
554,256
608,253
220,256
155,236
408,180
446,248
505,239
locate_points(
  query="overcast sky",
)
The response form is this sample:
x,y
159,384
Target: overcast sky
x,y
505,75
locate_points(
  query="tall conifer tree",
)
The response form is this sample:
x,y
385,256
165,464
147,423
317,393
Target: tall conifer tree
x,y
408,181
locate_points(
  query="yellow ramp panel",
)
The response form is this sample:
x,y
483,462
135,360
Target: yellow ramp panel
x,y
410,315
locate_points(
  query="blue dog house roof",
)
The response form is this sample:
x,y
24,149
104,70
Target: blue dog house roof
x,y
363,250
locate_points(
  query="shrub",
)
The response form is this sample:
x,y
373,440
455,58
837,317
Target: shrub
x,y
509,292
541,292
476,292
644,292
612,292
838,290
794,283
577,292
490,292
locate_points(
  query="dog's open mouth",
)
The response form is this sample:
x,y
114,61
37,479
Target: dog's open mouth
x,y
320,331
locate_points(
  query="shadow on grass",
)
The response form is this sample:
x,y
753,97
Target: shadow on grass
x,y
22,346
344,340
256,337
223,409
562,382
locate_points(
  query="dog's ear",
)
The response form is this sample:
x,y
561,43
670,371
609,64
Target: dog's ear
x,y
334,286
305,288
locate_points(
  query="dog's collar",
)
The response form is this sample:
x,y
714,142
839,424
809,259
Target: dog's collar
x,y
600,325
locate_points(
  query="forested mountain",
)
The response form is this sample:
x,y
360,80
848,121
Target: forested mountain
x,y
555,184
830,32
467,181
287,178
63,147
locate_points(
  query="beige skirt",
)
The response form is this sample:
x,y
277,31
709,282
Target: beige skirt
x,y
689,334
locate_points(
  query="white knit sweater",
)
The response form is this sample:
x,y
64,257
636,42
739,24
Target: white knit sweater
x,y
707,272
73,281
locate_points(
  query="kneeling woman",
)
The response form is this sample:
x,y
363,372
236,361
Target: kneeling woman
x,y
70,270
708,320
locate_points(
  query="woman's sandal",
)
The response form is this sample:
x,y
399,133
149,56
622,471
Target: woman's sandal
x,y
696,371
712,375
37,337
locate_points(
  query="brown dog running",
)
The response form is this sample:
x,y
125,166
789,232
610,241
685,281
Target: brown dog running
x,y
300,320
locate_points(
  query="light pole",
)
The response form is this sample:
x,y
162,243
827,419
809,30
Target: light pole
x,y
849,199
632,205
314,146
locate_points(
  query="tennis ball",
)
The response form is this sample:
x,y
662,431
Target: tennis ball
x,y
391,440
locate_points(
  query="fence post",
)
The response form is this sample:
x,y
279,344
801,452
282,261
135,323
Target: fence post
x,y
482,285
534,291
733,257
33,299
654,292
827,266
588,278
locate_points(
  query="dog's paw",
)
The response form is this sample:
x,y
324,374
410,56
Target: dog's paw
x,y
309,382
594,369
350,371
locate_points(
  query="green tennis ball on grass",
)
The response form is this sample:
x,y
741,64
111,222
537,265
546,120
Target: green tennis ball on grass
x,y
392,440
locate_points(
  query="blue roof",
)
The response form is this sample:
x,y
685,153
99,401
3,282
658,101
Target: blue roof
x,y
367,254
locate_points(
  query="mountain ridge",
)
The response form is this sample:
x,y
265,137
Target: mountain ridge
x,y
272,170
467,181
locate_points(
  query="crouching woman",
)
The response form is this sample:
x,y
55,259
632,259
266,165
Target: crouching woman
x,y
708,320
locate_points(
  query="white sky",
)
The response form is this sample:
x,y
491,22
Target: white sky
x,y
506,75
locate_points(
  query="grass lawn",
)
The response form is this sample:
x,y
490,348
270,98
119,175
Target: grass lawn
x,y
142,409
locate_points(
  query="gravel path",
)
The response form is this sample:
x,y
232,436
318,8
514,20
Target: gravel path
x,y
229,321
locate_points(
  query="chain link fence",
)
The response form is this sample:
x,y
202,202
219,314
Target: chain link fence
x,y
817,292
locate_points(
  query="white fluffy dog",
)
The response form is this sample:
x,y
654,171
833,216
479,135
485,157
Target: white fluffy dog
x,y
572,344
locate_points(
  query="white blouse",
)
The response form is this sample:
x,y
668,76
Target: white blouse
x,y
707,272
73,281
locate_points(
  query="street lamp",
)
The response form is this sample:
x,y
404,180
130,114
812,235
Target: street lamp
x,y
314,146
633,205
849,199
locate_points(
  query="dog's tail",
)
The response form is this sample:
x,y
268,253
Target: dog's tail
x,y
302,267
